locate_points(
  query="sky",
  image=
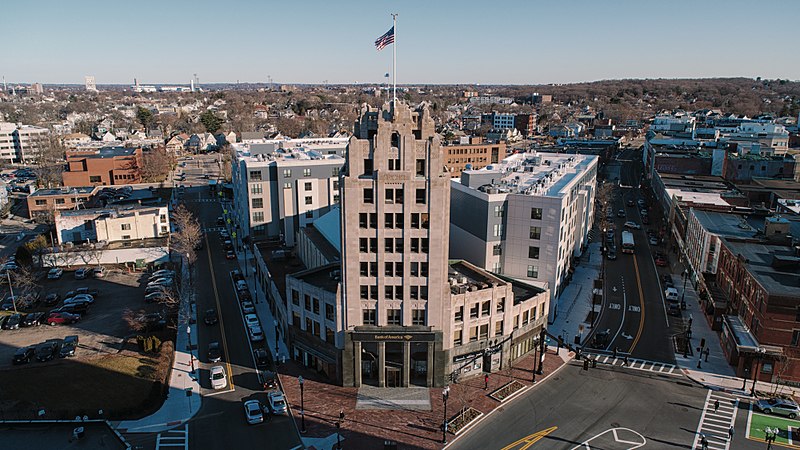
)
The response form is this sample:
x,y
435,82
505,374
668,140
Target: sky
x,y
438,41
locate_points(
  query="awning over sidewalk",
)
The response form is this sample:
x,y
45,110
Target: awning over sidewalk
x,y
745,341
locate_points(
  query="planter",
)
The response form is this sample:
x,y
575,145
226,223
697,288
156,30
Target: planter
x,y
507,391
463,419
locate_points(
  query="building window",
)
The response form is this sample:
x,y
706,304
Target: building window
x,y
533,252
335,172
363,220
364,269
797,314
125,227
309,200
525,318
394,164
533,271
424,244
368,195
486,307
295,297
255,175
421,196
414,269
497,268
473,311
418,317
307,302
536,213
41,202
484,331
415,245
795,338
516,321
125,237
335,198
388,245
393,317
330,336
497,249
536,233
425,221
60,201
315,305
287,173
498,211
501,305
423,269
420,168
256,188
306,172
287,185
473,334
258,216
458,335
498,328
95,179
307,186
414,220
88,225
497,230
369,317
364,290
257,203
388,221
367,167
296,319
329,311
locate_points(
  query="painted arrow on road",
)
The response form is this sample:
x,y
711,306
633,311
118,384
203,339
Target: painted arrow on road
x,y
614,289
626,336
529,440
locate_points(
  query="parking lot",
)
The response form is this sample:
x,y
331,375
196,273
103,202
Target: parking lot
x,y
100,331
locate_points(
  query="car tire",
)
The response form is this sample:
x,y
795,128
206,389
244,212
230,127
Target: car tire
x,y
792,415
767,411
52,324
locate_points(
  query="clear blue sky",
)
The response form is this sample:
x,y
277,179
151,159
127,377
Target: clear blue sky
x,y
309,41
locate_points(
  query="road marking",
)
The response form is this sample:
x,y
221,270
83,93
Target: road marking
x,y
633,363
641,441
219,314
641,305
529,440
714,425
625,304
168,438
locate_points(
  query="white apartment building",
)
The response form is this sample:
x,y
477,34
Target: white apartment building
x,y
771,138
280,187
8,150
21,143
111,224
678,122
525,218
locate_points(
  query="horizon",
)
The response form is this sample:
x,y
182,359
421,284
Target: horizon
x,y
535,43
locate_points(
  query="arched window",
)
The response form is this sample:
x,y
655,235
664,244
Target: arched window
x,y
396,139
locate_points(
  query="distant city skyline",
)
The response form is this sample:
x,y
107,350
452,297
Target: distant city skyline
x,y
524,42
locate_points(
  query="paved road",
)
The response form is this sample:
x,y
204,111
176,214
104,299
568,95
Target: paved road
x,y
633,312
664,410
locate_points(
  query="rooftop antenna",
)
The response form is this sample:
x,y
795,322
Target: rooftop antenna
x,y
5,86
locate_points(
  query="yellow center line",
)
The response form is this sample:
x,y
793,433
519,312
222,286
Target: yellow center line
x,y
641,305
529,440
219,315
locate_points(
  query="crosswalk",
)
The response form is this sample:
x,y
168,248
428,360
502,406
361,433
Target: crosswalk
x,y
175,438
636,364
715,422
213,229
201,200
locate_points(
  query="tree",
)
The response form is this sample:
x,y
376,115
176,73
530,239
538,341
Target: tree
x,y
188,235
145,117
210,121
48,162
156,165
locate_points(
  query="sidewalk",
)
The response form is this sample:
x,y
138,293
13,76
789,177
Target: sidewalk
x,y
410,428
179,407
576,299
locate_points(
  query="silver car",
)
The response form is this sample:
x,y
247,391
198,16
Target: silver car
x,y
779,406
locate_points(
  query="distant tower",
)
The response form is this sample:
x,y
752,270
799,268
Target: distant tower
x,y
196,82
90,84
192,85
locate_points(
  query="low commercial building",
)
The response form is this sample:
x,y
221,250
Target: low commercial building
x,y
526,217
475,154
121,223
44,202
108,166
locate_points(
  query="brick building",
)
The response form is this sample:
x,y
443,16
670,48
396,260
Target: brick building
x,y
105,166
45,202
476,155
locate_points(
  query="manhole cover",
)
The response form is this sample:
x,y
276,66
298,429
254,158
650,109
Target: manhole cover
x,y
614,424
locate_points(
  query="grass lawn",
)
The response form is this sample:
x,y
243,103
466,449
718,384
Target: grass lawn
x,y
758,422
125,386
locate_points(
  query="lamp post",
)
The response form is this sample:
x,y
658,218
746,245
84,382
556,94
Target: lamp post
x,y
445,395
533,369
189,344
542,336
275,323
302,409
683,295
339,427
759,354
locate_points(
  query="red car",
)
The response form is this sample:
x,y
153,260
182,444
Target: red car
x,y
62,318
661,260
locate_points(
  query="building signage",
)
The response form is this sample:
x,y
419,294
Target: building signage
x,y
393,337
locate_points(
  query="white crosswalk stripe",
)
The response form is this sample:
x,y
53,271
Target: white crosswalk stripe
x,y
212,229
715,422
634,363
201,200
177,437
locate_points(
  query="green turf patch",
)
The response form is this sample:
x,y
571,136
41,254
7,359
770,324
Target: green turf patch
x,y
759,422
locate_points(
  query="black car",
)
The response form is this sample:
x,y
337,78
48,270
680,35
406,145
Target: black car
x,y
81,308
33,319
261,357
67,349
13,322
24,355
211,317
47,350
270,380
52,299
85,290
214,352
220,221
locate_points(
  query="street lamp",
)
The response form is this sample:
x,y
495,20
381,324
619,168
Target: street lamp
x,y
683,295
302,409
339,427
759,354
189,344
533,369
542,336
445,395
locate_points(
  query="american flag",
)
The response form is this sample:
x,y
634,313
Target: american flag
x,y
385,40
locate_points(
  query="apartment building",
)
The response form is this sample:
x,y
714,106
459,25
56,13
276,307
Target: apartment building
x,y
768,138
105,166
473,155
502,121
526,217
111,224
280,188
8,150
21,143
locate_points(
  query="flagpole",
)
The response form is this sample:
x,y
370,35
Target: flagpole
x,y
394,59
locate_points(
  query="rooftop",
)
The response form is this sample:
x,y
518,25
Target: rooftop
x,y
105,152
328,149
544,174
790,205
692,196
325,277
775,267
111,210
730,225
80,190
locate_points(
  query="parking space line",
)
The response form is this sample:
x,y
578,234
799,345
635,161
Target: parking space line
x,y
219,314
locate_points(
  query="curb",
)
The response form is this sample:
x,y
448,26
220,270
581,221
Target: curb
x,y
509,401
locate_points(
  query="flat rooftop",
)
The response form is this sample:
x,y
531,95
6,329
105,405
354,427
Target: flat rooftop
x,y
545,174
105,152
731,225
691,196
324,277
778,281
49,435
82,190
331,150
790,205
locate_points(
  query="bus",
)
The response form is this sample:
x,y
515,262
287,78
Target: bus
x,y
627,242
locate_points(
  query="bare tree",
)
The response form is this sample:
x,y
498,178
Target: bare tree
x,y
188,234
134,319
48,162
156,165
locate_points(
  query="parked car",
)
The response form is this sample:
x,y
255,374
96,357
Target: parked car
x,y
3,320
47,350
674,309
99,272
241,285
161,282
162,273
779,406
251,320
52,299
237,275
621,213
256,333
24,355
210,317
55,273
8,304
157,296
80,308
230,255
13,321
224,234
277,402
156,288
82,273
612,254
248,307
154,321
653,240
661,261
632,225
252,412
261,357
630,203
645,220
214,352
85,290
69,346
33,319
218,378
80,298
62,317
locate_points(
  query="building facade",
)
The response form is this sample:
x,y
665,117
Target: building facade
x,y
21,143
125,223
44,202
525,218
106,167
474,155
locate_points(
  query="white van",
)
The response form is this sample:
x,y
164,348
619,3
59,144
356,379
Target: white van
x,y
671,294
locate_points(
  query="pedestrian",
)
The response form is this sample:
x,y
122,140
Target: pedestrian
x,y
703,442
716,405
625,361
486,382
730,433
707,352
615,352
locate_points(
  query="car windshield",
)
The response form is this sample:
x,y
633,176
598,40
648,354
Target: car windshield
x,y
217,376
278,402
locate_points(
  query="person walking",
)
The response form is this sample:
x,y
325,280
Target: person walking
x,y
716,405
703,442
730,433
486,382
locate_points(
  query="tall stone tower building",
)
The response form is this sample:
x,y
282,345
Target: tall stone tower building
x,y
394,232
